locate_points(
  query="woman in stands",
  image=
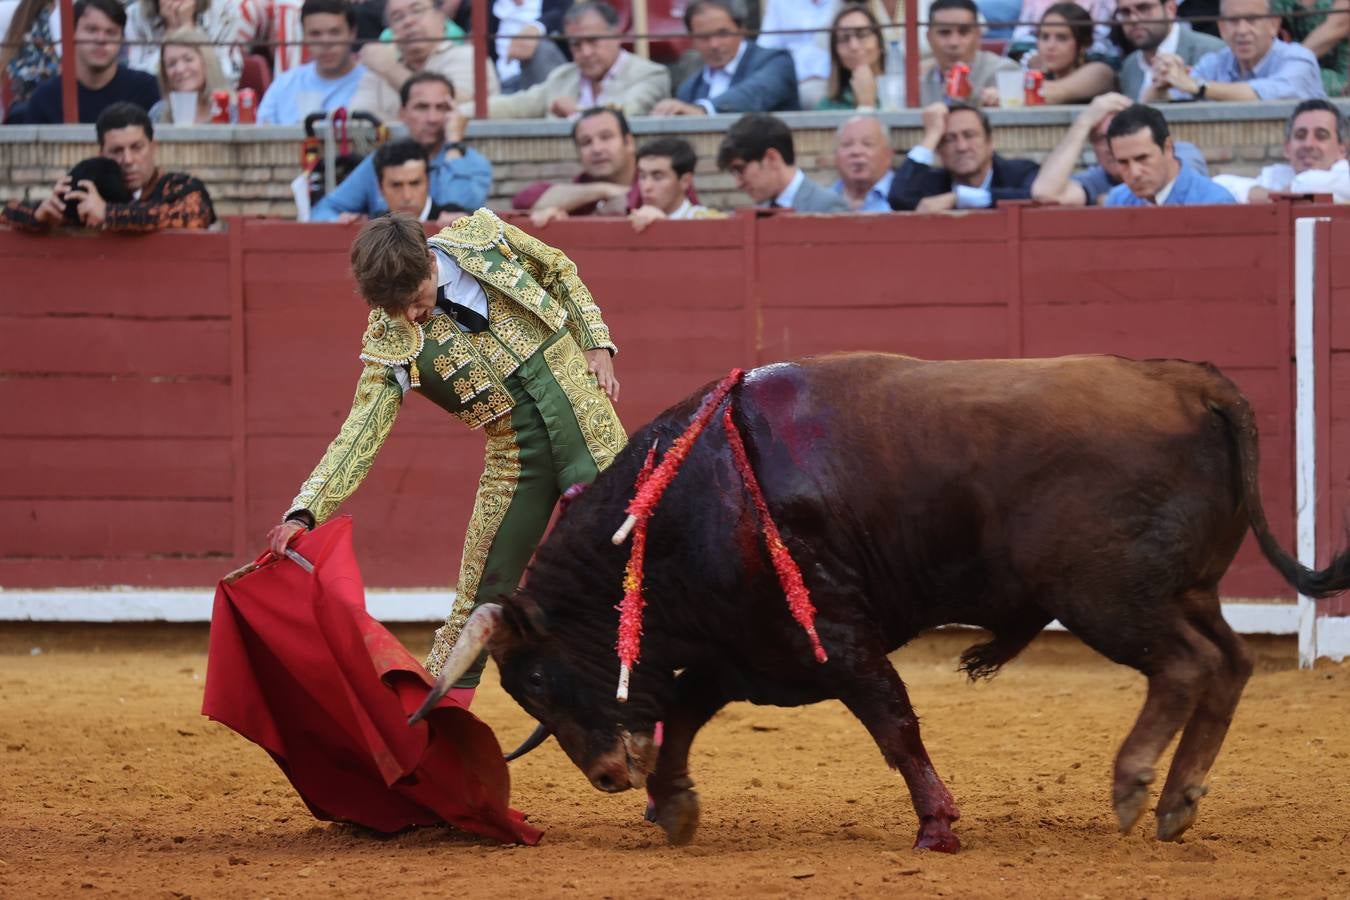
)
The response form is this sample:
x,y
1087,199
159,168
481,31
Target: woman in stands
x,y
857,58
1063,39
150,21
186,64
29,54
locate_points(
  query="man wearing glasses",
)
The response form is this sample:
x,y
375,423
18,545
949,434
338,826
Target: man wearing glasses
x,y
1152,28
954,34
601,73
421,43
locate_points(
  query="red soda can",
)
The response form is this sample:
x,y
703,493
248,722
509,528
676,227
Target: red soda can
x,y
220,107
958,82
247,99
1031,88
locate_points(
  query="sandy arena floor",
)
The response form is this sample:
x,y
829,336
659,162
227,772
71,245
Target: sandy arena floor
x,y
112,783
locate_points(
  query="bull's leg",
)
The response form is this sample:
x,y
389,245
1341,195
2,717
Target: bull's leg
x,y
697,699
1179,663
881,703
1206,729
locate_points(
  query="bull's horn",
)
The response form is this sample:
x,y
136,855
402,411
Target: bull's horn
x,y
468,647
540,735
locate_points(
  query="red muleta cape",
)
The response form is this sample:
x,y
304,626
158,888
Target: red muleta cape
x,y
298,667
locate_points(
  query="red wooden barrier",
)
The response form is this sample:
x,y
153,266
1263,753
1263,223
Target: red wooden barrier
x,y
167,394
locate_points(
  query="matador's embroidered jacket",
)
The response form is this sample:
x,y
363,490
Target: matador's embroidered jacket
x,y
533,293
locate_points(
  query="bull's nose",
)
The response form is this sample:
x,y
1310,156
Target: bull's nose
x,y
610,778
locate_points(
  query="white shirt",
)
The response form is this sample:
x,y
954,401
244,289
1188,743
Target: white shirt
x,y
460,287
586,95
810,50
784,200
1163,194
1281,177
720,79
1169,45
513,17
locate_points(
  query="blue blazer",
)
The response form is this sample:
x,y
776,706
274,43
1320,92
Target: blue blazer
x,y
1191,189
765,81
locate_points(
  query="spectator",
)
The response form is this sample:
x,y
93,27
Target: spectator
x,y
665,181
1089,188
807,19
758,152
1321,26
417,26
737,75
863,155
329,78
972,176
857,57
159,199
272,26
405,185
1062,42
1314,145
601,73
150,21
458,174
30,54
103,81
1143,149
523,60
1024,37
186,64
607,183
1254,66
954,33
1152,27
891,16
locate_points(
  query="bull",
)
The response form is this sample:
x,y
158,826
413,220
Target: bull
x,y
1107,493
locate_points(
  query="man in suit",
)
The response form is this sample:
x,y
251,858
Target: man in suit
x,y
1152,28
601,73
972,176
758,152
737,76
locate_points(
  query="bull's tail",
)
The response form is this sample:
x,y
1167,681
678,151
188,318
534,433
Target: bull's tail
x,y
1240,424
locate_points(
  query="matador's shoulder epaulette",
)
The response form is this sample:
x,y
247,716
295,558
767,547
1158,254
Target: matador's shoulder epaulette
x,y
478,232
392,341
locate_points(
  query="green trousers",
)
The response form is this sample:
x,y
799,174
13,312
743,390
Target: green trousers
x,y
562,431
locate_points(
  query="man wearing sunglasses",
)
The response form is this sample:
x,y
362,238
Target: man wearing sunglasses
x,y
1152,28
954,34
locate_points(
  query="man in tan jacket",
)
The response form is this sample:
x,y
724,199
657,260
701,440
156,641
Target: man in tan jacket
x,y
421,43
602,73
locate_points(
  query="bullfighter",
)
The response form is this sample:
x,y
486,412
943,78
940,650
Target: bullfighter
x,y
496,328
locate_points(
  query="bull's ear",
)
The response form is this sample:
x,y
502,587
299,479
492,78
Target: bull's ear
x,y
524,617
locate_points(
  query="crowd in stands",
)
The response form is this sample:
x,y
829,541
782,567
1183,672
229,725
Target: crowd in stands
x,y
412,62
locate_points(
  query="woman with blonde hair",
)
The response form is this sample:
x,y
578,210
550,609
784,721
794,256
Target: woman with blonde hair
x,y
149,23
857,58
186,64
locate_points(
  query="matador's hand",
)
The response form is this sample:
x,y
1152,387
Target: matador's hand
x,y
602,367
281,536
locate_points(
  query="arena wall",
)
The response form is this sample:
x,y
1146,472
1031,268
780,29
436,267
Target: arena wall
x,y
167,393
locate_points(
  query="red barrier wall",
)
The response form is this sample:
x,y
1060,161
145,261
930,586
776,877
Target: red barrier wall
x,y
168,393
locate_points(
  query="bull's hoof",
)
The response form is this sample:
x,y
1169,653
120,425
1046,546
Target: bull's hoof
x,y
937,835
1173,823
1129,798
678,817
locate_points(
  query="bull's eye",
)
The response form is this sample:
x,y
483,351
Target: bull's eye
x,y
535,678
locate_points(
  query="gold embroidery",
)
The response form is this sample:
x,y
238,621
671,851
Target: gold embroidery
x,y
557,275
462,388
390,341
480,231
443,366
440,329
600,426
496,488
351,453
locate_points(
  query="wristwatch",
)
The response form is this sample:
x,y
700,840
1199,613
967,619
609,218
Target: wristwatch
x,y
458,145
1200,87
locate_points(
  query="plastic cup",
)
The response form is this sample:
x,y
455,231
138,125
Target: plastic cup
x,y
1010,89
183,107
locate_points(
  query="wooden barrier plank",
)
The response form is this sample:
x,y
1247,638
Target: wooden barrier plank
x,y
1128,258
105,346
914,274
1184,223
953,231
932,332
116,527
108,571
116,408
108,467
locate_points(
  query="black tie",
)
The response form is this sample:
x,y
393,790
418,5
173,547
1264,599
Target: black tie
x,y
472,321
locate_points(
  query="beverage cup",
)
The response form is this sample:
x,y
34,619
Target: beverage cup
x,y
1010,89
183,107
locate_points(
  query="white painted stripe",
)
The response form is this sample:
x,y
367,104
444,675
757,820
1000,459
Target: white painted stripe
x,y
1305,424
